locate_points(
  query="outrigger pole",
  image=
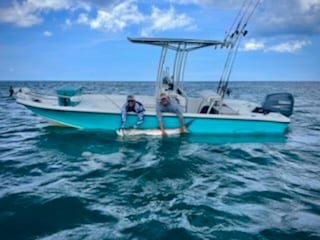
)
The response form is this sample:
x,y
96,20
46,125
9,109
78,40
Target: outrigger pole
x,y
233,37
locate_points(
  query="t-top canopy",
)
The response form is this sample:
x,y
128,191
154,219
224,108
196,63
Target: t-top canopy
x,y
177,43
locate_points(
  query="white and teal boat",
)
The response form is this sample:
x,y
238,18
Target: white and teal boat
x,y
212,113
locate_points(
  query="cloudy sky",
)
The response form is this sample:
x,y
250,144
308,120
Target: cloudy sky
x,y
87,40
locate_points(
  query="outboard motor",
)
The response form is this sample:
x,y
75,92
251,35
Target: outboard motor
x,y
277,102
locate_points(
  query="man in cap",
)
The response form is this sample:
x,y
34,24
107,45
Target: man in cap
x,y
167,104
132,106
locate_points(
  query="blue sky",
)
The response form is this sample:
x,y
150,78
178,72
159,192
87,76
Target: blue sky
x,y
87,40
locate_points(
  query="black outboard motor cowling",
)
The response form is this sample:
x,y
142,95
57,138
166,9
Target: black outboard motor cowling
x,y
279,102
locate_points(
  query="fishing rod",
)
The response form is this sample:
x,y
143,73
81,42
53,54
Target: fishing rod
x,y
235,39
231,40
244,33
235,20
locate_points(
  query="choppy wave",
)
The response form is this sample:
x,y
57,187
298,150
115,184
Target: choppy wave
x,y
60,183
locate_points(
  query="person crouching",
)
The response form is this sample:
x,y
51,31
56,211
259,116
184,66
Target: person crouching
x,y
132,106
170,105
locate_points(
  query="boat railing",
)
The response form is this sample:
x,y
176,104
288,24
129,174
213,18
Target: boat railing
x,y
213,103
27,94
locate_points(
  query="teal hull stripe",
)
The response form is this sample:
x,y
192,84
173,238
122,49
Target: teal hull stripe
x,y
111,121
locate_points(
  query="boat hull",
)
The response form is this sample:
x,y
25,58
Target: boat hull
x,y
199,124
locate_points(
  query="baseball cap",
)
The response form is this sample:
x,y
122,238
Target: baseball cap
x,y
163,95
130,98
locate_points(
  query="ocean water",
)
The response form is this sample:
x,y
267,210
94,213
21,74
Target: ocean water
x,y
62,183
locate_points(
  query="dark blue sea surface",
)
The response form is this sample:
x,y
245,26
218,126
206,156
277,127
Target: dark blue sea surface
x,y
63,183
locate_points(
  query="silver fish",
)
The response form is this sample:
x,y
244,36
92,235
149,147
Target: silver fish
x,y
123,132
147,132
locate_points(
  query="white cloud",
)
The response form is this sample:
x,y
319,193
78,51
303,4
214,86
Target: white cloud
x,y
83,19
116,19
68,22
126,13
289,47
162,20
205,3
22,15
111,16
86,6
47,33
292,46
47,4
283,17
274,17
29,12
184,1
307,5
253,45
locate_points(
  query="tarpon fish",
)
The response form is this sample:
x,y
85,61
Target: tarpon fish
x,y
123,132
